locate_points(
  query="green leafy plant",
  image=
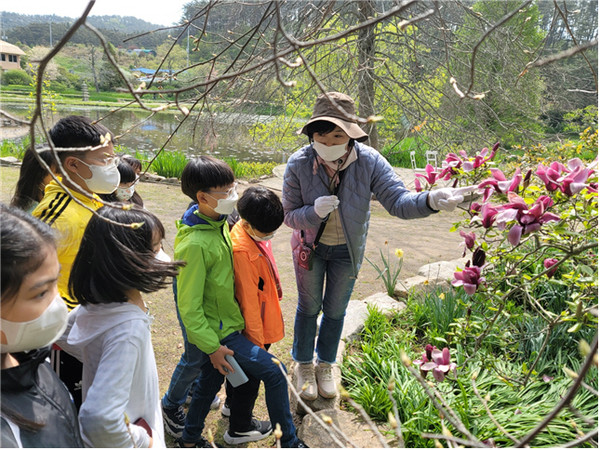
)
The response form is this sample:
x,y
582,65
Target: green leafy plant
x,y
249,170
390,270
170,164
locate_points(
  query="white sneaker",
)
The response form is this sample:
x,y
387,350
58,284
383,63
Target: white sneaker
x,y
306,384
325,381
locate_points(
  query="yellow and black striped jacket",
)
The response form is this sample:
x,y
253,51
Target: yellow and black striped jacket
x,y
69,220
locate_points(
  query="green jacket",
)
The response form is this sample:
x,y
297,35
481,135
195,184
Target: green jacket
x,y
205,286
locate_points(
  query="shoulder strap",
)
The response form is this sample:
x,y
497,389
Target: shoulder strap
x,y
324,222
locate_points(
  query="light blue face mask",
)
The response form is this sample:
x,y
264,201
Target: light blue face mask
x,y
268,237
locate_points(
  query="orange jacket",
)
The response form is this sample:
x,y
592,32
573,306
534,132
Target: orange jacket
x,y
255,290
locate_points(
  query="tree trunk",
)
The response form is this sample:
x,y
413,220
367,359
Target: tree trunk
x,y
93,51
366,73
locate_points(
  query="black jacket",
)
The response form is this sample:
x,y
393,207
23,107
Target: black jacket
x,y
33,391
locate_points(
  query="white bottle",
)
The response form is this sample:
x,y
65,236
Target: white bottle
x,y
238,376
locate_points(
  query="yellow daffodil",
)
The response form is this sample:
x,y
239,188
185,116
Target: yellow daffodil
x,y
399,253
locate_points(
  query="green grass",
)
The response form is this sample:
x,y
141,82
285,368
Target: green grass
x,y
375,359
16,149
398,154
170,164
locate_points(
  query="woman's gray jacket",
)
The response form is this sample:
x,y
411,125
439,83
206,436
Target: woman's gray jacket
x,y
370,173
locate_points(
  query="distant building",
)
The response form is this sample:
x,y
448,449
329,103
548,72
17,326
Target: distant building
x,y
142,51
10,56
144,74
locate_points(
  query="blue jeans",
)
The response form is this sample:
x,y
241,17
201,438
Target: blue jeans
x,y
333,267
186,374
187,368
255,362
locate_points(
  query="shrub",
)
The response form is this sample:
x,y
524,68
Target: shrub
x,y
16,76
249,170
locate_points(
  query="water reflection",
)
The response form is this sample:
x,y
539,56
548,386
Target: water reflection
x,y
222,135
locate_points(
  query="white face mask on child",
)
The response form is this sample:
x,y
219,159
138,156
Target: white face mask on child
x,y
124,194
37,333
104,179
256,238
226,205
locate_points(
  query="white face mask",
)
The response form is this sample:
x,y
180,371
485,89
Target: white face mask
x,y
104,179
268,237
124,194
226,205
162,256
36,333
332,152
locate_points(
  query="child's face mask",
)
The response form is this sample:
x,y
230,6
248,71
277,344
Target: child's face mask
x,y
123,194
105,179
226,205
37,333
265,238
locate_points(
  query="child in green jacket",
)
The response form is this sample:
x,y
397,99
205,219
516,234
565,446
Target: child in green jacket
x,y
212,318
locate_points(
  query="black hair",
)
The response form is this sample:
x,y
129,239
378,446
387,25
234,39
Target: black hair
x,y
30,185
322,127
133,162
261,208
204,173
22,241
113,259
77,131
127,176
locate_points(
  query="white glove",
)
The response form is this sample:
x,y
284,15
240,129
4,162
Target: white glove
x,y
324,205
445,199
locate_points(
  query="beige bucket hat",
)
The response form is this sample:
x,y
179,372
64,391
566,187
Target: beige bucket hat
x,y
325,109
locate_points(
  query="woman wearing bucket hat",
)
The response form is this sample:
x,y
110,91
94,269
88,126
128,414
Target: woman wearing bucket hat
x,y
327,188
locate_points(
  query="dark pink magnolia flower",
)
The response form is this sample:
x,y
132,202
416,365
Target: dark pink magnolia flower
x,y
550,263
431,174
418,186
593,187
475,208
550,175
528,219
436,361
488,215
500,184
469,239
480,159
469,278
450,166
572,183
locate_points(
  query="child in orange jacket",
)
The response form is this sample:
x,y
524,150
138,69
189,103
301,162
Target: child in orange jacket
x,y
257,285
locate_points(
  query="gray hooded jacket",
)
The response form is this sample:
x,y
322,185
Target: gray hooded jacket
x,y
370,173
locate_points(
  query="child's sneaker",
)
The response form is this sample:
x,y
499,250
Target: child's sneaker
x,y
260,430
305,374
174,419
225,411
325,381
202,443
214,405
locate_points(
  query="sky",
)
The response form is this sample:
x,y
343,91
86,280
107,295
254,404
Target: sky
x,y
163,13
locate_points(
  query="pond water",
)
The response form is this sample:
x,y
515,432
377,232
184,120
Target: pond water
x,y
222,136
